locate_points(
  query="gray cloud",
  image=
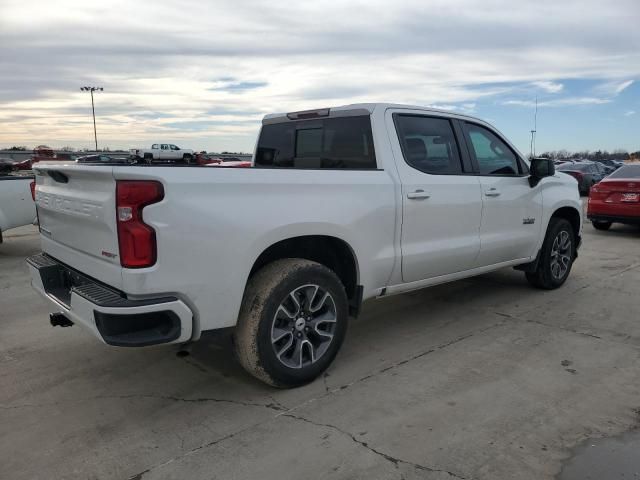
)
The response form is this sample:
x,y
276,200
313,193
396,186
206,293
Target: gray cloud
x,y
175,64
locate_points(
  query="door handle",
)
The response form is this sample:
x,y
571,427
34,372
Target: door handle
x,y
492,192
418,195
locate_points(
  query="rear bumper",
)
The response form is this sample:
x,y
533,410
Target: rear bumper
x,y
107,313
614,219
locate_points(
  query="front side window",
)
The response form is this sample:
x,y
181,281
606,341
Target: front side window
x,y
493,155
173,147
428,144
331,143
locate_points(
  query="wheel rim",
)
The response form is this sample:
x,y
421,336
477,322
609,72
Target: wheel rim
x,y
303,326
561,255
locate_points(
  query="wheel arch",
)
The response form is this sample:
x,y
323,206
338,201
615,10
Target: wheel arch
x,y
572,215
332,252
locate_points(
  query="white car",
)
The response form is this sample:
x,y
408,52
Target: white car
x,y
16,203
163,152
341,205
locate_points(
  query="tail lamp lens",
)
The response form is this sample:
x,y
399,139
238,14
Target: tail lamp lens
x,y
136,239
32,187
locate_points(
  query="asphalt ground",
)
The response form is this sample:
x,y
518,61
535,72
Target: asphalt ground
x,y
485,378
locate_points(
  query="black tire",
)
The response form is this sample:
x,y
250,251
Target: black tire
x,y
266,293
600,225
544,277
148,157
187,158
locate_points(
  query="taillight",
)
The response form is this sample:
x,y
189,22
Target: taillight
x,y
136,239
32,186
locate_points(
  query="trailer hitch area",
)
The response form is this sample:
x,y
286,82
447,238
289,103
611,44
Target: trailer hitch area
x,y
59,320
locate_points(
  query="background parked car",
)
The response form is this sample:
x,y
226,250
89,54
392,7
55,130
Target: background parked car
x,y
616,199
6,166
22,164
586,173
610,165
231,162
103,159
203,158
42,153
163,153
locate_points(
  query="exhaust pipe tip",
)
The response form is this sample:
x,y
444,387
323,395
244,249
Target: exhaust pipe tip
x,y
59,320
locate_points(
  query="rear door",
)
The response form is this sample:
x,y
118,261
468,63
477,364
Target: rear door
x,y
511,209
165,152
441,201
77,215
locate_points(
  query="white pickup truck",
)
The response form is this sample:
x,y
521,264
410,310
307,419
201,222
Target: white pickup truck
x,y
162,152
16,203
341,205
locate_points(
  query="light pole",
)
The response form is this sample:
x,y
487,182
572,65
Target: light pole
x,y
93,110
534,131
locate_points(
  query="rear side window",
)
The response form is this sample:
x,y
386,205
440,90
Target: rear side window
x,y
428,144
332,143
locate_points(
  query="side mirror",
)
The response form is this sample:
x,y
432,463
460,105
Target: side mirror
x,y
540,168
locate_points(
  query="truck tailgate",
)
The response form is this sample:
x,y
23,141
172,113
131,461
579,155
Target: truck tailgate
x,y
77,214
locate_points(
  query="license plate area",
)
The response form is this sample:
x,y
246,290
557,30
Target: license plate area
x,y
630,197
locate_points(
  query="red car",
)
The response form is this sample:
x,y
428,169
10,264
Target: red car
x,y
616,199
23,164
232,163
42,153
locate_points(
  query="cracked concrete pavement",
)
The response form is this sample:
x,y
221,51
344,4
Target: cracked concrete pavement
x,y
479,379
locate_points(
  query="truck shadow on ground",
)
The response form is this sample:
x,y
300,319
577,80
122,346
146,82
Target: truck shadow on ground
x,y
389,329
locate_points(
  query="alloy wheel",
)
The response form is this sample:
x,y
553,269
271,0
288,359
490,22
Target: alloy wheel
x,y
561,255
303,326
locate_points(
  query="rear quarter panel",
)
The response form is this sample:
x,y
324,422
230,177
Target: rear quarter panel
x,y
214,223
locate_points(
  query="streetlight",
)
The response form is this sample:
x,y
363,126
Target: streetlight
x,y
93,89
534,131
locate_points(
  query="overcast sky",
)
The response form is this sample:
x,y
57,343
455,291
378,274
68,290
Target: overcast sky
x,y
203,73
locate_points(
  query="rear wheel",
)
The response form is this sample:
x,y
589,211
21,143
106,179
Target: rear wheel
x,y
292,322
556,256
187,158
600,225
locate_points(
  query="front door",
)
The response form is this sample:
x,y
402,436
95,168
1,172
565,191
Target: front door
x,y
512,210
441,202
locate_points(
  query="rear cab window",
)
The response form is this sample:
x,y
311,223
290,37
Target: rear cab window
x,y
327,143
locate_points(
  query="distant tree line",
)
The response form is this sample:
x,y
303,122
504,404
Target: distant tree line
x,y
618,154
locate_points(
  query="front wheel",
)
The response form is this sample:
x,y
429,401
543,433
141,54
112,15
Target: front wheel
x,y
292,322
556,256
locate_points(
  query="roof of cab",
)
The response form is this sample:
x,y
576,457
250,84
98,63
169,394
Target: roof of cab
x,y
356,109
